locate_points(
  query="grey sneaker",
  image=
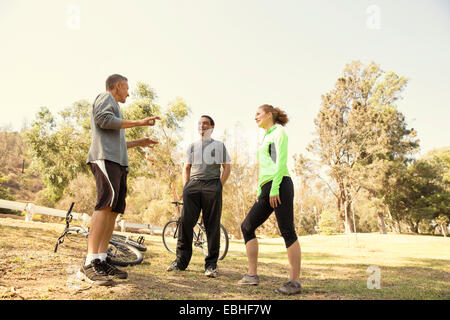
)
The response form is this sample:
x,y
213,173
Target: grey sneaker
x,y
173,266
211,272
290,287
249,280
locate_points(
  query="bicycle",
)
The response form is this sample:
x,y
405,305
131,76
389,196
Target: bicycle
x,y
170,236
122,250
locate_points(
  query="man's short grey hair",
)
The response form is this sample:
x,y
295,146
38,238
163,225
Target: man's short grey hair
x,y
113,79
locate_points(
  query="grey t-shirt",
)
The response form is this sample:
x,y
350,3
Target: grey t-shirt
x,y
108,140
206,156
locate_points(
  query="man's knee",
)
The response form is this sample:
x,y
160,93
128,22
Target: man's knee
x,y
103,210
114,215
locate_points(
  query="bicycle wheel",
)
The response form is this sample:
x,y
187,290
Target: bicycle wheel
x,y
201,240
170,235
123,254
128,240
224,241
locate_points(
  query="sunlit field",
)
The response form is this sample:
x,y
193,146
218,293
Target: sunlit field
x,y
333,267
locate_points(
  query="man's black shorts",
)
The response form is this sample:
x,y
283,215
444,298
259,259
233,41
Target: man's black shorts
x,y
111,182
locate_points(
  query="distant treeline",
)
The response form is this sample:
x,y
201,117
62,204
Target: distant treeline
x,y
360,173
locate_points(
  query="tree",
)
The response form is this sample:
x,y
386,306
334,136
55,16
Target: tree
x,y
165,160
443,221
21,182
4,191
82,191
142,105
239,192
440,160
359,130
59,149
12,150
311,198
328,222
423,190
367,210
417,196
158,167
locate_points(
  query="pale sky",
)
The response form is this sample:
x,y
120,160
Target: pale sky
x,y
225,58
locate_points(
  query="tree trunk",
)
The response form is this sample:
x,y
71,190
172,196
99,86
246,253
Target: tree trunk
x,y
396,223
347,219
444,229
399,227
413,227
381,223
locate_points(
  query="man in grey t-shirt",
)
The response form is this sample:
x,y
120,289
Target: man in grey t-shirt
x,y
203,183
108,160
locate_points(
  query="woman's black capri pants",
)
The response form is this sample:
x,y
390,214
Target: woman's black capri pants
x,y
284,213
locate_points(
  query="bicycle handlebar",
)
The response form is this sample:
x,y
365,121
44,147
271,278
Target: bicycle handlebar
x,y
71,207
68,215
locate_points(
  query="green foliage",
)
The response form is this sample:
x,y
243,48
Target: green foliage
x,y
426,227
13,151
305,223
422,191
443,221
82,191
164,161
142,106
366,210
310,201
20,181
59,149
150,202
328,222
4,191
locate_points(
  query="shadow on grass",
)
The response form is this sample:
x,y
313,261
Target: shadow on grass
x,y
430,263
350,282
323,277
282,256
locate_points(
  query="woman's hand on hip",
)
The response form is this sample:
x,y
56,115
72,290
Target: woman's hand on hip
x,y
275,201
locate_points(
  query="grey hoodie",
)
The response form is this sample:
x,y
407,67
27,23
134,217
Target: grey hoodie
x,y
108,140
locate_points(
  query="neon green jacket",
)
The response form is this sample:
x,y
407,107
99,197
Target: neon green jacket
x,y
272,158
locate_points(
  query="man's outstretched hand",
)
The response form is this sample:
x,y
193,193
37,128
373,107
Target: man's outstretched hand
x,y
150,121
147,142
143,142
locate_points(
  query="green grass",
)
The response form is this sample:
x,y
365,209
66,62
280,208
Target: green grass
x,y
333,267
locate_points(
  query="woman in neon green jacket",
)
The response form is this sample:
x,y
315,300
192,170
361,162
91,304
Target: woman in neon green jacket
x,y
275,193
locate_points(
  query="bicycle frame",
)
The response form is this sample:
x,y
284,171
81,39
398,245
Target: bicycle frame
x,y
195,237
120,251
198,239
69,229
